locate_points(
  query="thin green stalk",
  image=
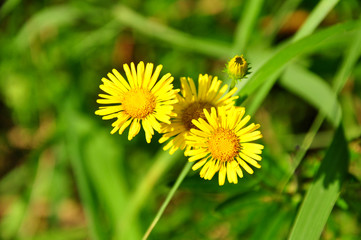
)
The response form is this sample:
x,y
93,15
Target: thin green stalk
x,y
163,161
176,185
349,61
305,145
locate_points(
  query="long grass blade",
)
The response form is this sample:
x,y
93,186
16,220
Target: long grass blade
x,y
307,28
77,163
292,50
177,38
246,25
315,18
314,90
324,191
162,162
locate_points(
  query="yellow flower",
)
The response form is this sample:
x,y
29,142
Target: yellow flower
x,y
237,67
222,144
190,106
141,100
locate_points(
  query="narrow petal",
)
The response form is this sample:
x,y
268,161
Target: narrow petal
x,y
199,164
198,156
222,175
121,79
134,129
155,76
245,166
129,75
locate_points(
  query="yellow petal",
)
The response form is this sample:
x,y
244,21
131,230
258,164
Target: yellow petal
x,y
222,175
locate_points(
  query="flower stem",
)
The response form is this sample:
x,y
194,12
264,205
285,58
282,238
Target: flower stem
x,y
170,195
233,84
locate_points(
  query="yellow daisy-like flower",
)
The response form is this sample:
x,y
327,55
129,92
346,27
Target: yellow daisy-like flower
x,y
141,100
223,144
237,67
191,105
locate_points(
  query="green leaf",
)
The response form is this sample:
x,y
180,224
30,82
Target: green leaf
x,y
141,24
277,228
313,89
323,192
73,131
246,25
305,45
315,18
102,162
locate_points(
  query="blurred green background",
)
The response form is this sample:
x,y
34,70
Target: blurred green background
x,y
63,176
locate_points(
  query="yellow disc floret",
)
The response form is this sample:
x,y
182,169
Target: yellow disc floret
x,y
224,145
138,103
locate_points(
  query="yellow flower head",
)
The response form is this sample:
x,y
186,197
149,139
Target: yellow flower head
x,y
237,67
191,105
139,100
222,144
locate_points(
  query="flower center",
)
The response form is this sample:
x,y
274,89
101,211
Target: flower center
x,y
194,111
138,103
224,145
239,60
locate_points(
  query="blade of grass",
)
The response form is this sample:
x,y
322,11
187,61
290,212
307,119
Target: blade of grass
x,y
292,50
351,56
280,17
8,7
288,53
349,61
246,25
177,38
324,191
176,185
107,179
77,165
162,162
312,89
315,18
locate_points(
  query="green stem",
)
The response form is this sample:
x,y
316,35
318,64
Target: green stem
x,y
233,83
176,185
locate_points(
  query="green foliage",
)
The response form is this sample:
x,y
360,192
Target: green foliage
x,y
63,176
324,191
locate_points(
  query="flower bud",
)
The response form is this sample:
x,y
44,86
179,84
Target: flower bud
x,y
237,67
